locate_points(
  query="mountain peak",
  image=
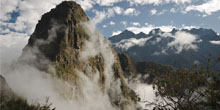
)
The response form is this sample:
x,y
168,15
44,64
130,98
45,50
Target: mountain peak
x,y
155,31
65,40
141,35
61,24
127,32
174,30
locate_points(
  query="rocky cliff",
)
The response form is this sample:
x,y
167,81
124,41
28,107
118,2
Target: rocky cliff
x,y
66,45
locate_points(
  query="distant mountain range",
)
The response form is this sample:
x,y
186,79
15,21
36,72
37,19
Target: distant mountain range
x,y
179,48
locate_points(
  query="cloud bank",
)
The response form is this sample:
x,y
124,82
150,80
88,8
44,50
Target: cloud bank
x,y
208,7
125,44
181,41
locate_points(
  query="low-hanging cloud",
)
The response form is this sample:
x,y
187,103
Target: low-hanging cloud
x,y
215,42
125,44
181,41
11,45
184,41
35,85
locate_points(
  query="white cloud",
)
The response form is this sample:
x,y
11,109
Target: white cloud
x,y
11,45
146,24
99,17
102,15
30,9
149,27
158,39
215,42
7,7
104,26
27,81
162,12
112,23
158,2
156,53
183,41
135,23
125,44
153,11
115,33
208,7
178,8
188,27
107,2
162,52
118,10
33,9
110,12
124,23
146,93
131,12
88,4
173,10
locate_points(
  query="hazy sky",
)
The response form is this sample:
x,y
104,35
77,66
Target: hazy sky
x,y
113,16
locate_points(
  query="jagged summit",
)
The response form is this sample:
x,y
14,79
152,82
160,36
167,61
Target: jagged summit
x,y
65,13
155,31
174,30
58,27
126,34
141,35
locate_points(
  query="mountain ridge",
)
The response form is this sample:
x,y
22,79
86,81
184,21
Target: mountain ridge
x,y
179,48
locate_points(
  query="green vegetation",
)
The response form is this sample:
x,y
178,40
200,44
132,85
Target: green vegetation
x,y
127,65
196,88
17,103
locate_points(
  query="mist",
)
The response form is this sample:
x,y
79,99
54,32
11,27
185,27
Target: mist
x,y
29,82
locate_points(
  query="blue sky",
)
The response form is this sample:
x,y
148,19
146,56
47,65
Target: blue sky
x,y
167,14
113,16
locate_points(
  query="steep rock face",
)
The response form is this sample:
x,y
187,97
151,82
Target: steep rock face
x,y
64,41
59,29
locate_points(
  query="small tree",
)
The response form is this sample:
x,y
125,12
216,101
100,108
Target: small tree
x,y
187,89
